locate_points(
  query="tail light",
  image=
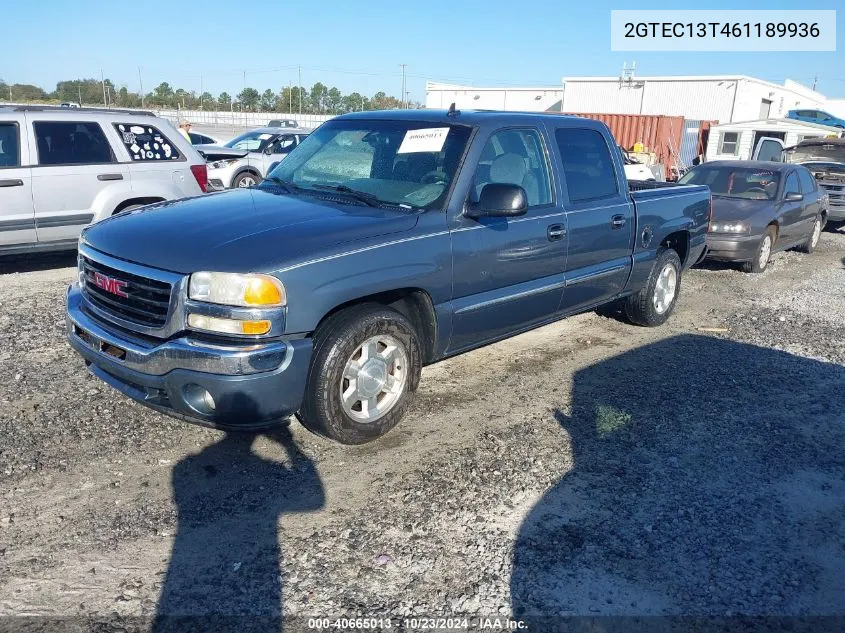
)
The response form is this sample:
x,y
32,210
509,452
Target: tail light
x,y
200,172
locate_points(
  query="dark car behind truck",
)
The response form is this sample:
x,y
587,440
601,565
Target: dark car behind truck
x,y
759,208
384,242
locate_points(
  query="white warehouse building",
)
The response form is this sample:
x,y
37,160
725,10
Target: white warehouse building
x,y
727,98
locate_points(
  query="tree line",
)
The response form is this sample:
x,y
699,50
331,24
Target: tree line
x,y
319,99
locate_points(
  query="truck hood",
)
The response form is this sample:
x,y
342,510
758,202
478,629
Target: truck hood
x,y
239,231
219,152
725,209
816,154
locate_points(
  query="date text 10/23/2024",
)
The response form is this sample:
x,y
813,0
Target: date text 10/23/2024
x,y
494,623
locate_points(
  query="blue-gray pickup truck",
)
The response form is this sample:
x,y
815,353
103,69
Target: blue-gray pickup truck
x,y
384,242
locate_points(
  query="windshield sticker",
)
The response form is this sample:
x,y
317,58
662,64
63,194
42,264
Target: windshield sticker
x,y
426,140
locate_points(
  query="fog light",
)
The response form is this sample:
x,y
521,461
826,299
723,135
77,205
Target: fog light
x,y
227,326
198,398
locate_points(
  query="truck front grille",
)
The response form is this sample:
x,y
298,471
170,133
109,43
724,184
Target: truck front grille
x,y
130,297
835,191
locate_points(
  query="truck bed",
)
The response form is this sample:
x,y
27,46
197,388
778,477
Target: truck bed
x,y
640,185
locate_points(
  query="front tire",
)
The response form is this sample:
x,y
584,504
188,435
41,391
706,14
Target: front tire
x,y
763,254
652,305
364,372
245,179
815,233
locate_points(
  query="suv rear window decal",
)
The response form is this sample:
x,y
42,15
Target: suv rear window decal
x,y
144,142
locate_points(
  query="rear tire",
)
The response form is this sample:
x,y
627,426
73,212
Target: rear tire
x,y
813,239
652,305
763,253
365,358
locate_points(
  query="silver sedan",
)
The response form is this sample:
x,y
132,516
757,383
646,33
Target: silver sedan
x,y
265,147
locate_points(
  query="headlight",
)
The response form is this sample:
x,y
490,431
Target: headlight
x,y
231,289
729,227
219,164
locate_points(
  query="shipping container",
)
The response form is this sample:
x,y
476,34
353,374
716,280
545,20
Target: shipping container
x,y
660,135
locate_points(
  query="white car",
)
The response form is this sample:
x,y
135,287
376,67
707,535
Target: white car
x,y
63,168
203,139
265,147
634,169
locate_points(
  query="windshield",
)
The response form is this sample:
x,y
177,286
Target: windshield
x,y
397,162
252,141
735,182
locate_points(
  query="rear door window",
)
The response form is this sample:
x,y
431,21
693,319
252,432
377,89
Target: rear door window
x,y
71,143
808,183
587,165
146,143
9,145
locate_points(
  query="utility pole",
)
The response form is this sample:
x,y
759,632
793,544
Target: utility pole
x,y
79,91
141,83
103,78
290,96
201,92
402,94
299,71
815,79
408,99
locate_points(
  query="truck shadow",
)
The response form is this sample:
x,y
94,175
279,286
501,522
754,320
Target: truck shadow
x,y
37,261
708,479
225,569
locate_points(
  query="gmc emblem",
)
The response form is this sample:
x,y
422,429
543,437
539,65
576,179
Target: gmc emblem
x,y
109,284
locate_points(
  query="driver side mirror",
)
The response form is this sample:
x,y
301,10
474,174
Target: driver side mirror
x,y
793,196
269,149
499,200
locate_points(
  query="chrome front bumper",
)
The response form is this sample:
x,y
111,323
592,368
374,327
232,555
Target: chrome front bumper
x,y
180,353
253,385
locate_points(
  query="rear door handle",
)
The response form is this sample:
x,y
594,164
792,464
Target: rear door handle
x,y
617,221
11,182
110,177
555,232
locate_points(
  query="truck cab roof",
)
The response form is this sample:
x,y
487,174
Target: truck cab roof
x,y
492,118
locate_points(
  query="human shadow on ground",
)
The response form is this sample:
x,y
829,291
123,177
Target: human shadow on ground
x,y
225,569
708,479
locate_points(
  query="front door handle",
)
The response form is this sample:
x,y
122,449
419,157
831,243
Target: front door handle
x,y
110,177
555,232
11,182
617,221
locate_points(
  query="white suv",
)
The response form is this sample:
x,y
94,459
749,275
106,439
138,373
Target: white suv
x,y
63,168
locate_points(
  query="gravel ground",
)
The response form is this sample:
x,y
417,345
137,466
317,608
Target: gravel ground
x,y
585,468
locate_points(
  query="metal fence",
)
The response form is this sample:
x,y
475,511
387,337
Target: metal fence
x,y
229,118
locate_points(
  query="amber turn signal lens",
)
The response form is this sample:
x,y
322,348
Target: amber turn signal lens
x,y
260,291
227,326
256,327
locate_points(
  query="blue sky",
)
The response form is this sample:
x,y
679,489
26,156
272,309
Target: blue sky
x,y
360,45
